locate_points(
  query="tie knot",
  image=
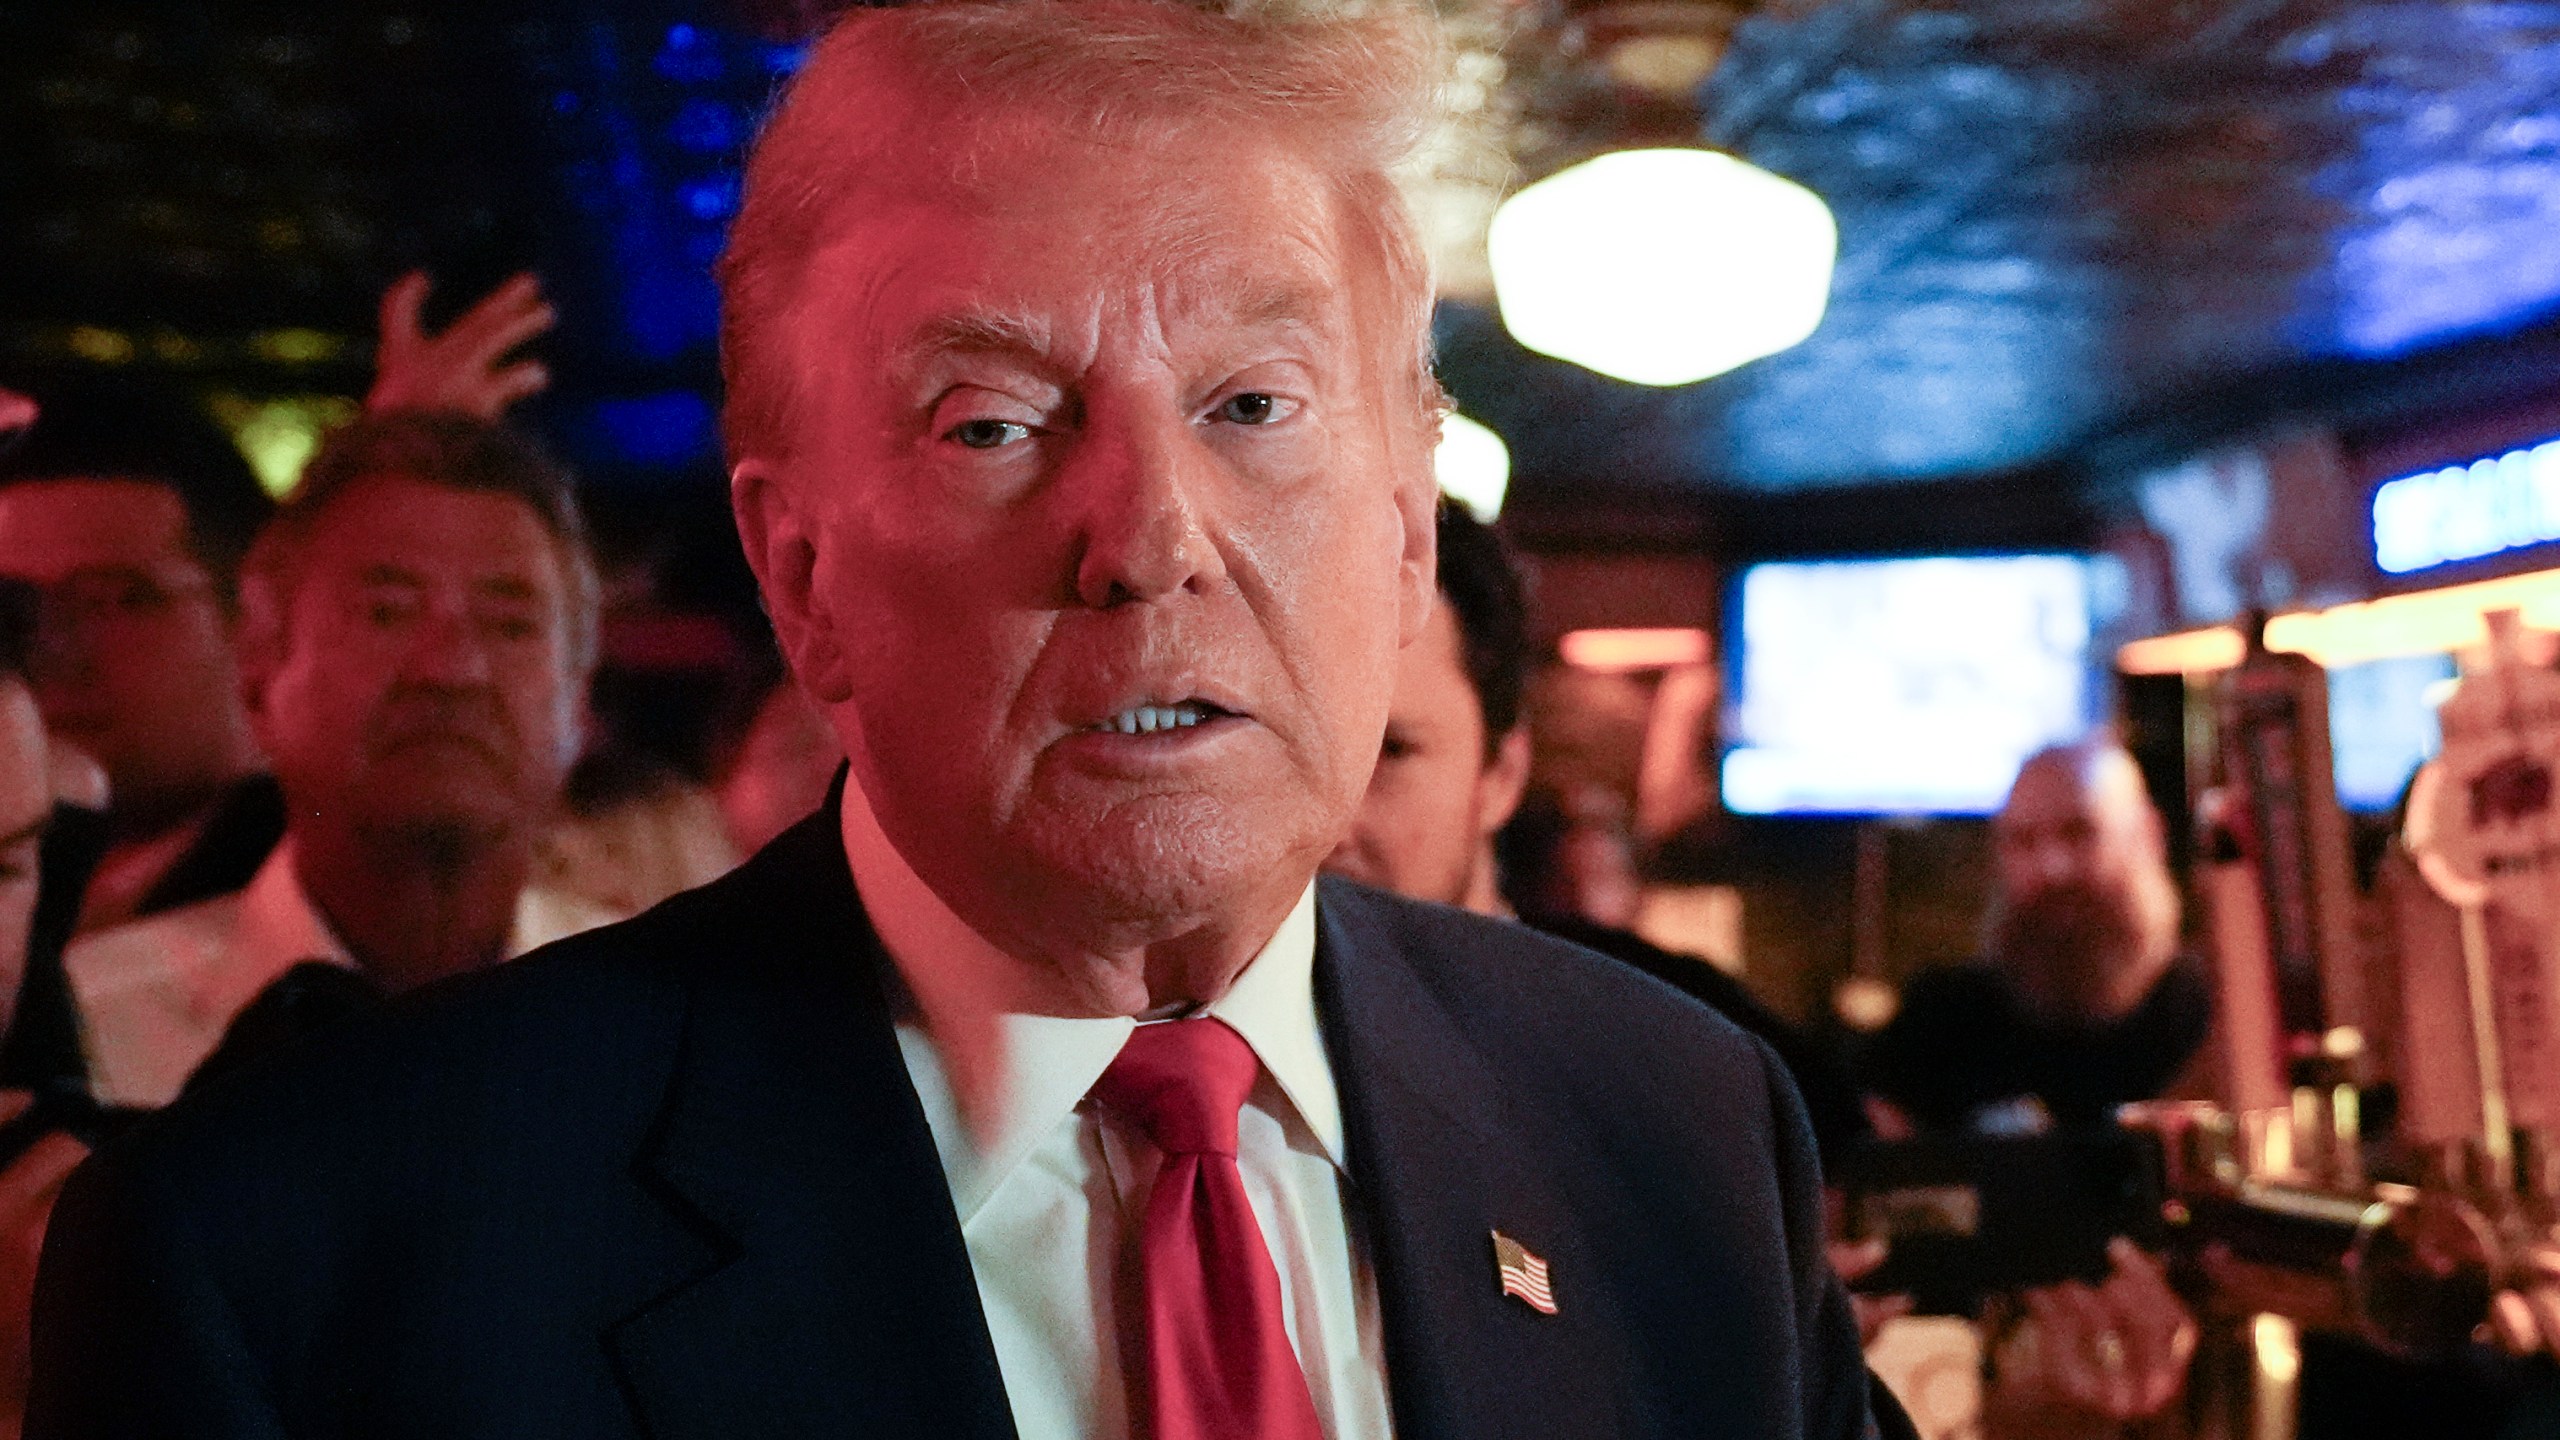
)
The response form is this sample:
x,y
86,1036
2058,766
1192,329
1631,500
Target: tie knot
x,y
1182,1081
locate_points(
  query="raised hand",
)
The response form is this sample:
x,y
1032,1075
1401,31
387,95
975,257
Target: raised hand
x,y
464,368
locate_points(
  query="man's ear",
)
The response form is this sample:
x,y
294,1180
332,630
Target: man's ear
x,y
1499,788
783,552
1418,574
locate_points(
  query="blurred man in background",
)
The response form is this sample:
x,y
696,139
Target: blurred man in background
x,y
2084,1002
1449,777
32,1170
46,1124
129,511
418,626
1455,755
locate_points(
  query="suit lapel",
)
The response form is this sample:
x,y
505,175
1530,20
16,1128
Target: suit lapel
x,y
837,1298
1438,1163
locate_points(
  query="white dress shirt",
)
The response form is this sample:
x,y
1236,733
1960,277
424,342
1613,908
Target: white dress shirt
x,y
1050,1194
156,995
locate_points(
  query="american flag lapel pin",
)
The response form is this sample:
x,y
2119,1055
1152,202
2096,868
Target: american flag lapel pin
x,y
1523,1274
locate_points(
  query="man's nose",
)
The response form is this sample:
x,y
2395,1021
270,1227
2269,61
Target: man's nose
x,y
1140,483
2054,862
447,647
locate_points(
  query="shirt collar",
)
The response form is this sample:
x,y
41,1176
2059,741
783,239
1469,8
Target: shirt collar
x,y
279,928
278,922
274,929
995,1081
1273,1006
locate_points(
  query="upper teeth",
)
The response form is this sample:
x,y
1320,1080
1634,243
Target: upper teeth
x,y
1148,719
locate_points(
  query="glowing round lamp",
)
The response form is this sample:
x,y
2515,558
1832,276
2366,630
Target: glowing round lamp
x,y
1473,466
1662,266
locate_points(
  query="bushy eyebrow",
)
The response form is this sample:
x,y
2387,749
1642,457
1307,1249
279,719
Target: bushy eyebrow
x,y
995,333
1279,304
507,587
971,333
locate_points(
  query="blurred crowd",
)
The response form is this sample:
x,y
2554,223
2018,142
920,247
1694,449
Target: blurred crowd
x,y
265,763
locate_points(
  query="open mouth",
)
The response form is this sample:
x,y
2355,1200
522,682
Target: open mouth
x,y
1158,719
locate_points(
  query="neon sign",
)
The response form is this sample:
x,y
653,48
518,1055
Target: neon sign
x,y
2462,512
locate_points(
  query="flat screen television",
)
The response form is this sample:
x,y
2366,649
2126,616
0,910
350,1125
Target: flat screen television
x,y
1901,686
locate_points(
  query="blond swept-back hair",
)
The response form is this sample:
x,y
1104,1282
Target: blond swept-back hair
x,y
1348,86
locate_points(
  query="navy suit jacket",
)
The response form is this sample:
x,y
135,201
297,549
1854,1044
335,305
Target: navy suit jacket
x,y
670,1179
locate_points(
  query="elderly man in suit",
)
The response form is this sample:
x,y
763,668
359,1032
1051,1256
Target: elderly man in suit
x,y
1080,420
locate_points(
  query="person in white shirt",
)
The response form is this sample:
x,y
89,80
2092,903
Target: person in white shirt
x,y
1080,421
419,623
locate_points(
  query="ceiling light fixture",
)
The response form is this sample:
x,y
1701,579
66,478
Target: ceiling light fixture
x,y
1662,267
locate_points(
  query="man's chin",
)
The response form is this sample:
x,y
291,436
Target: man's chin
x,y
444,818
1191,866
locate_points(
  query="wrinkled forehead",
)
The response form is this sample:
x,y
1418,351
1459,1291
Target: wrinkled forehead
x,y
2102,790
418,529
1021,241
51,526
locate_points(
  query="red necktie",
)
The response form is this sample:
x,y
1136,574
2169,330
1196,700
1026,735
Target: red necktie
x,y
1218,1362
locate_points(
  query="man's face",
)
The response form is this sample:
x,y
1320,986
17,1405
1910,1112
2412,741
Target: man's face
x,y
1097,447
26,803
420,676
2073,822
1436,798
2077,851
136,664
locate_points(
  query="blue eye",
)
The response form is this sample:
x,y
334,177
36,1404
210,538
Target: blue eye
x,y
1249,407
989,434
